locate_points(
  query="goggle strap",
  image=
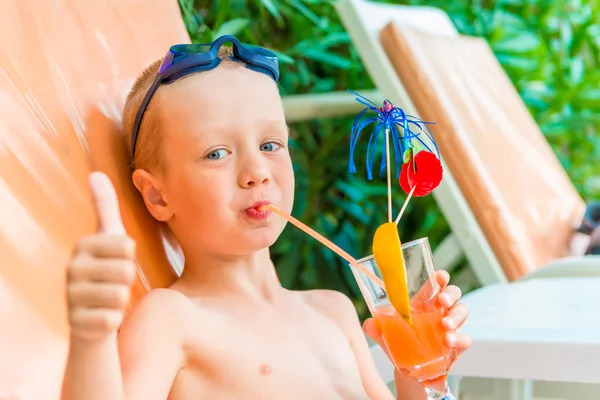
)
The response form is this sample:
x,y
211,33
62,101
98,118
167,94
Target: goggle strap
x,y
263,70
186,66
142,111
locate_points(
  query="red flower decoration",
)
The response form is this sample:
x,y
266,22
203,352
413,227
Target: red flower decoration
x,y
423,170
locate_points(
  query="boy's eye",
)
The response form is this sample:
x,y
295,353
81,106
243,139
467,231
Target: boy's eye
x,y
270,146
217,154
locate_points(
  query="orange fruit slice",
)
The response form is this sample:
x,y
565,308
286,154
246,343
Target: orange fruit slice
x,y
387,251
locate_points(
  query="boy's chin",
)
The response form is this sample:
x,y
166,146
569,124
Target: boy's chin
x,y
261,239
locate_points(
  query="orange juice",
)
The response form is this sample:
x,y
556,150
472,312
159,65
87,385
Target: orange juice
x,y
417,350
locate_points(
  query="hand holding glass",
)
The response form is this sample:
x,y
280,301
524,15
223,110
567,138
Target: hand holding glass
x,y
416,349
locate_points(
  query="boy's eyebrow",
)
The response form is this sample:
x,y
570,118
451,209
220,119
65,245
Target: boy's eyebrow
x,y
279,126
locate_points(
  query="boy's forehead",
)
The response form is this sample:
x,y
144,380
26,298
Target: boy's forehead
x,y
228,78
222,97
222,100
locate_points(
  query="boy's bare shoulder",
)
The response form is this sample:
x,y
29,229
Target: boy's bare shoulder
x,y
163,301
164,308
334,305
327,300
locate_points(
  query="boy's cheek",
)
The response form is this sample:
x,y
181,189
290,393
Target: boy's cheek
x,y
288,192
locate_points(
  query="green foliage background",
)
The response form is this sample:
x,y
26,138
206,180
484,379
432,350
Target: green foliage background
x,y
549,48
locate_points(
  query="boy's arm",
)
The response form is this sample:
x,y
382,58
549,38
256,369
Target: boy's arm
x,y
99,277
93,370
340,309
407,388
98,290
151,345
141,365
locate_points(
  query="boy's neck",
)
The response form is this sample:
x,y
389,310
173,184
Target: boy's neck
x,y
247,276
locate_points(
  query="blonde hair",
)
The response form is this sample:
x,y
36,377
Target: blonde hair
x,y
148,153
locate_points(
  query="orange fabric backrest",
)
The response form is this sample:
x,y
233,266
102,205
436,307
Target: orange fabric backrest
x,y
521,196
65,70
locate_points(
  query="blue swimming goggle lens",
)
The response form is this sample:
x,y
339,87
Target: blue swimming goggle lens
x,y
185,59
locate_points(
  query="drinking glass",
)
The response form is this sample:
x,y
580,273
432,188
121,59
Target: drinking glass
x,y
416,349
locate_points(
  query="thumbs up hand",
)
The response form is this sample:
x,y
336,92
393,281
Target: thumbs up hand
x,y
102,269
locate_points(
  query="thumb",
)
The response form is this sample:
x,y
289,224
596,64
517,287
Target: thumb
x,y
106,204
370,329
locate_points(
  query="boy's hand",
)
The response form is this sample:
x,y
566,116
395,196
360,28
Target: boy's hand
x,y
457,315
102,269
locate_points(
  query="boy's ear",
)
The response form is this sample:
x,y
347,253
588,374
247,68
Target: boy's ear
x,y
152,193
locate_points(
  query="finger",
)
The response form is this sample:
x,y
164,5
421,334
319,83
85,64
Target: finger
x,y
449,296
106,203
109,270
94,322
107,245
458,341
102,295
443,278
456,317
430,288
370,329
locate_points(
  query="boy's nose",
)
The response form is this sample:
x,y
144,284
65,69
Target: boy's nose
x,y
256,182
255,176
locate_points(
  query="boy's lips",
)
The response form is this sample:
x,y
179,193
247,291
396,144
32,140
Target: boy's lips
x,y
258,211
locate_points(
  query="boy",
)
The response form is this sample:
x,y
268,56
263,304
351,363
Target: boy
x,y
209,143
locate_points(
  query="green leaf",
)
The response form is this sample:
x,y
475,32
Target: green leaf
x,y
335,39
593,31
510,2
592,95
204,34
273,10
306,12
566,35
231,27
521,42
522,65
324,85
353,209
186,5
576,71
289,264
304,74
353,192
508,21
328,58
190,17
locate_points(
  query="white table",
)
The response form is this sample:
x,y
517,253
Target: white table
x,y
542,329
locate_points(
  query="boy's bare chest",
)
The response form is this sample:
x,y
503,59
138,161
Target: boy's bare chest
x,y
299,356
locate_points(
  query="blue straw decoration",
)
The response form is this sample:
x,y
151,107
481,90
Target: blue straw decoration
x,y
406,131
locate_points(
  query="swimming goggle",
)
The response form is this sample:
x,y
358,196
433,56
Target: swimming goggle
x,y
185,59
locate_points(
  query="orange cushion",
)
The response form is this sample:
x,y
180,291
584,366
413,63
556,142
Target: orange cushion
x,y
521,196
65,69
